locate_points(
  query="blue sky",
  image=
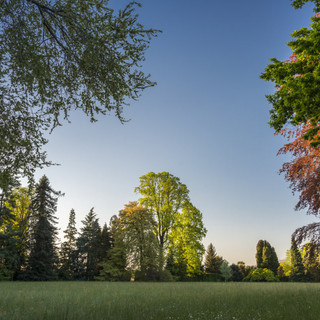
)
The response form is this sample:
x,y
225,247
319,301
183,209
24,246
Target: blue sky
x,y
205,122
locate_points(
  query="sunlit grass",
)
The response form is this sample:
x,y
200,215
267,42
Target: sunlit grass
x,y
105,300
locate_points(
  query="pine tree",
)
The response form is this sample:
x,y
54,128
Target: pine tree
x,y
43,255
90,234
297,268
212,260
68,248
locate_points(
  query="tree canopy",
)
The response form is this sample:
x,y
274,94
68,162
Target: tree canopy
x,y
297,81
58,56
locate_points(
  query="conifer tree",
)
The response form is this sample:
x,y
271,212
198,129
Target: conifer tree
x,y
90,234
105,243
68,248
43,258
212,260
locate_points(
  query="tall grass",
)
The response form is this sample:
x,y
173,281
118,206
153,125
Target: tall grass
x,y
105,300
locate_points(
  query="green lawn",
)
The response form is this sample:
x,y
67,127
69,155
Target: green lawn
x,y
105,300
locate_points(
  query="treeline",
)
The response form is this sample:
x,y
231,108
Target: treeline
x,y
300,265
157,238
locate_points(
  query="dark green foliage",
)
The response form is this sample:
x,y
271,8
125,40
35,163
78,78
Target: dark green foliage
x,y
259,253
42,264
298,4
266,256
297,268
82,49
236,273
212,261
90,238
212,277
68,249
281,275
113,268
310,260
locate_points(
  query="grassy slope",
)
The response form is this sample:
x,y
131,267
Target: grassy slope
x,y
105,300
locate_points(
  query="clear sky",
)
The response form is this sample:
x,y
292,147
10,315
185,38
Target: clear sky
x,y
205,122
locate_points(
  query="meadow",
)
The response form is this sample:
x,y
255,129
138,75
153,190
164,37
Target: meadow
x,y
115,300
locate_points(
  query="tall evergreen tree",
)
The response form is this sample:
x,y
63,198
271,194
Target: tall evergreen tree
x,y
90,234
114,267
297,268
212,261
105,243
68,248
42,264
266,256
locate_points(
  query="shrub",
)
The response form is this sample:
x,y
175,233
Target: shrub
x,y
261,275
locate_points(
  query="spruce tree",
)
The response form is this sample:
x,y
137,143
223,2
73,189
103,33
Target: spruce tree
x,y
90,235
212,260
42,265
68,248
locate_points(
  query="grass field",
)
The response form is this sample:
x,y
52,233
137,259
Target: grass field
x,y
105,300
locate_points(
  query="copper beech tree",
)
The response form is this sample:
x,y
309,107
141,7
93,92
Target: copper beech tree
x,y
303,174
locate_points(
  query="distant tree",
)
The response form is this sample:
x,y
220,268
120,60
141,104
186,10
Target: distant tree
x,y
212,261
167,199
259,259
163,195
114,267
245,270
311,260
261,275
185,240
90,234
105,243
280,274
225,270
236,273
297,268
42,264
137,225
19,207
266,256
68,248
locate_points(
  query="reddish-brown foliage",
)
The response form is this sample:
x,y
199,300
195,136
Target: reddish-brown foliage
x,y
303,174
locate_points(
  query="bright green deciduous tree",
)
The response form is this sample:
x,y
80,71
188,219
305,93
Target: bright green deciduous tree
x,y
178,224
186,236
297,81
58,56
19,206
163,195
